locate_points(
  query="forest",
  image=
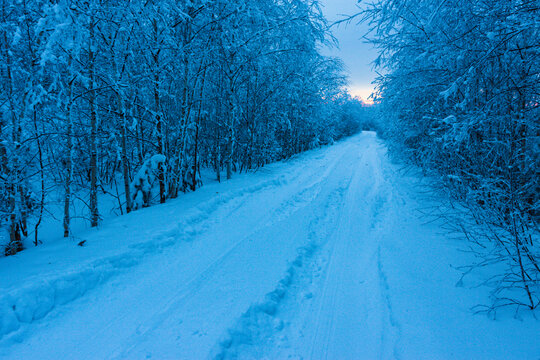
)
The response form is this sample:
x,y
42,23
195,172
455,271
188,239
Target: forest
x,y
459,94
134,98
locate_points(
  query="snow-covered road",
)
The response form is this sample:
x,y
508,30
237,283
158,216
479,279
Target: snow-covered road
x,y
321,257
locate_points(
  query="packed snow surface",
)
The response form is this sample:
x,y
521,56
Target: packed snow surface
x,y
320,257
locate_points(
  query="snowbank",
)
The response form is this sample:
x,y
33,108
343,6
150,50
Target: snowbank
x,y
33,300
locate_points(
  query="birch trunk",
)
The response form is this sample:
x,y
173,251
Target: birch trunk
x,y
94,213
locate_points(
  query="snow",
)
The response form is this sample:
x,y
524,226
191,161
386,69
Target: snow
x,y
145,181
322,256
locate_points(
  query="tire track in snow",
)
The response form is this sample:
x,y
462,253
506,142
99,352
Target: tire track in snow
x,y
395,328
325,322
285,210
310,328
391,335
391,330
261,321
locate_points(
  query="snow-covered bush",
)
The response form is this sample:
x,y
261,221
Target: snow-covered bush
x,y
143,186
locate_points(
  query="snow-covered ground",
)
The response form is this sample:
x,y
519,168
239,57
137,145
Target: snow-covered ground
x,y
319,257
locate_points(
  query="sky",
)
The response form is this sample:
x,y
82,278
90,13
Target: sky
x,y
356,54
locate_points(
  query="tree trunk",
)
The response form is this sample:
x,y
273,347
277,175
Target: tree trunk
x,y
159,119
125,164
194,181
15,239
217,157
94,214
69,154
42,180
69,169
161,172
230,136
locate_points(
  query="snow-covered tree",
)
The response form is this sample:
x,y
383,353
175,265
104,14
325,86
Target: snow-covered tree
x,y
460,94
95,92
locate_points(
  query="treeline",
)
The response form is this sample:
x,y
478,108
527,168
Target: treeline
x,y
460,96
149,91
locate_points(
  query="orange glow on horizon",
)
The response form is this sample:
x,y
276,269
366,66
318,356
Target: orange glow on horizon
x,y
362,93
